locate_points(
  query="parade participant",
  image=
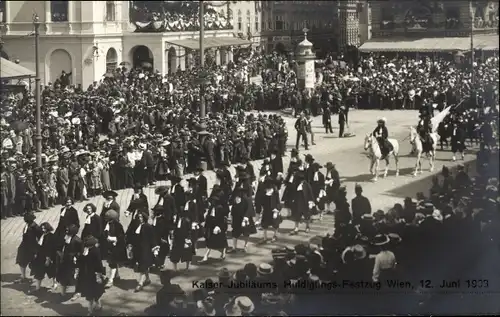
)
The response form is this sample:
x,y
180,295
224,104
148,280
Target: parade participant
x,y
424,129
318,188
360,205
201,185
381,134
215,228
458,138
90,274
225,180
93,224
243,181
138,203
29,245
67,259
290,181
332,183
308,169
342,120
68,216
302,201
177,192
112,245
109,204
182,245
242,222
44,262
143,248
162,234
270,209
276,162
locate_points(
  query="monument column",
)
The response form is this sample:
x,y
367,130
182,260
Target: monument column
x,y
305,77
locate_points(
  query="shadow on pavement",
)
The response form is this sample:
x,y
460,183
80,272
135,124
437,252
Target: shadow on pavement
x,y
125,284
9,277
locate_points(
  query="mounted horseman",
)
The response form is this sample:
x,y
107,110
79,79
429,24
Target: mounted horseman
x,y
381,134
424,129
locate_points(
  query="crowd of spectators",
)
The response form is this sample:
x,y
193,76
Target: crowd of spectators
x,y
136,120
176,16
381,263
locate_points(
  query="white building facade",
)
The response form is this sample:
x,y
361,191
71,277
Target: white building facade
x,y
87,38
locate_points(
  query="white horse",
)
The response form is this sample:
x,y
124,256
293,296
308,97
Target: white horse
x,y
416,142
375,155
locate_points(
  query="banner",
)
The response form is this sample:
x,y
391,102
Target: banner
x,y
437,119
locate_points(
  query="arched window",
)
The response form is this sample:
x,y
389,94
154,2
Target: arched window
x,y
111,60
240,21
59,11
110,11
249,21
3,13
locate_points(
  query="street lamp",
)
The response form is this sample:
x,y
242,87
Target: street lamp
x,y
202,61
38,119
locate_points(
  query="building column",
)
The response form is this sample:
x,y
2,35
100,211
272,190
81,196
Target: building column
x,y
217,56
190,62
71,19
7,16
181,59
230,55
48,17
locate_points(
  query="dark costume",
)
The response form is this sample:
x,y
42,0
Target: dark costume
x,y
381,134
302,196
182,246
424,129
89,266
242,222
161,229
29,244
67,259
45,257
67,217
144,242
270,208
113,245
216,218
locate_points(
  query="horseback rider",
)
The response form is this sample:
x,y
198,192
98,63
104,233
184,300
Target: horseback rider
x,y
424,129
381,134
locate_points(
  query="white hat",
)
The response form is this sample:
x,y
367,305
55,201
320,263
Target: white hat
x,y
68,114
383,119
75,121
142,146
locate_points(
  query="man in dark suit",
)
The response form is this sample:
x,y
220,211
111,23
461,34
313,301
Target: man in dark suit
x,y
301,127
327,119
148,162
208,145
342,121
360,205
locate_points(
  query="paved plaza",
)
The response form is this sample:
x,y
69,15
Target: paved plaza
x,y
346,153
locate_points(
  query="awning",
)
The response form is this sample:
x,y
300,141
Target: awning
x,y
442,44
486,42
210,42
10,70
